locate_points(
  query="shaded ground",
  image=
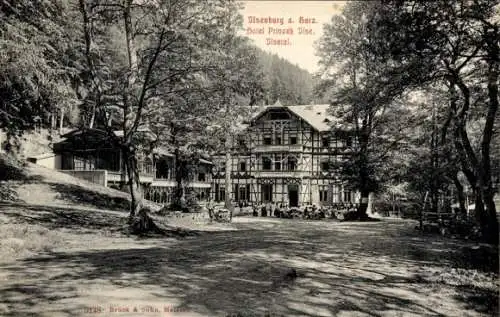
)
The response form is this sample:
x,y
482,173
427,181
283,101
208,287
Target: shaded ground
x,y
64,251
344,269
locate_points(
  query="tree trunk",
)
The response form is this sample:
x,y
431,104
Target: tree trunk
x,y
363,205
227,183
133,181
52,122
179,193
92,118
460,195
61,122
479,206
393,198
490,224
131,49
364,174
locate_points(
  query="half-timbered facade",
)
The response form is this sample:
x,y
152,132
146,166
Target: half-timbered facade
x,y
284,156
162,188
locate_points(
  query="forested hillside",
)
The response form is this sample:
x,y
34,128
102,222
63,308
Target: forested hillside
x,y
285,81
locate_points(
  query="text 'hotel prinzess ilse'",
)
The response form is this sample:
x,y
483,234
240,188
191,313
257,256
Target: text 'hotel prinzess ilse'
x,y
275,29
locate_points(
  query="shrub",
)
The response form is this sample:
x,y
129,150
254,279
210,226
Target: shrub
x,y
222,215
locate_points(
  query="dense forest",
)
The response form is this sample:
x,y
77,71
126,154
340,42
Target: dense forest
x,y
417,83
176,68
285,81
418,89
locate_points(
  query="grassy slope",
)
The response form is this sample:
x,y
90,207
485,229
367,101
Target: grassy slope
x,y
37,185
32,196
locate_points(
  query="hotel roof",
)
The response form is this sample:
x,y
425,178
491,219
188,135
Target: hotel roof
x,y
317,116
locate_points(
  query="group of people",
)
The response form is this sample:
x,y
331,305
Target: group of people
x,y
283,210
309,211
269,209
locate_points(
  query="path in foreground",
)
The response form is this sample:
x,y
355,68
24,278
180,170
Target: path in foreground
x,y
345,269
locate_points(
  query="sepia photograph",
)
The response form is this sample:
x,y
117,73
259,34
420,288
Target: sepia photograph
x,y
257,158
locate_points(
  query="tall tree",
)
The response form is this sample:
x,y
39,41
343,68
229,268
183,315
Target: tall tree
x,y
38,67
153,49
362,97
459,42
240,88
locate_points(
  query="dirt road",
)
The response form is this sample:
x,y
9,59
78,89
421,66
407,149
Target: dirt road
x,y
343,269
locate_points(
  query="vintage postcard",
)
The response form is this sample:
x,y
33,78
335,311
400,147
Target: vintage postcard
x,y
249,158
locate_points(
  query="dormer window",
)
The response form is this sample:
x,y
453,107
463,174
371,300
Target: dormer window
x,y
325,142
241,142
279,115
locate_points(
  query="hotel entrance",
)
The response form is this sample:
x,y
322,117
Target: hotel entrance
x,y
266,193
293,195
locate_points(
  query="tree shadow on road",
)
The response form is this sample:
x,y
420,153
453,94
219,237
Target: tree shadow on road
x,y
82,196
340,271
80,220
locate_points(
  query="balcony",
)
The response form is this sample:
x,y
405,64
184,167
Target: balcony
x,y
117,176
280,174
198,184
163,182
291,148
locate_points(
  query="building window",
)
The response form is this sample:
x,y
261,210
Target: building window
x,y
325,166
278,140
267,193
162,169
325,142
241,142
323,195
335,194
201,177
243,166
243,195
266,163
222,166
279,116
83,164
236,193
347,196
293,140
222,194
79,164
267,140
292,164
277,165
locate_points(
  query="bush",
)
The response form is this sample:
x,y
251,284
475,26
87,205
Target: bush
x,y
7,193
177,207
221,215
346,214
